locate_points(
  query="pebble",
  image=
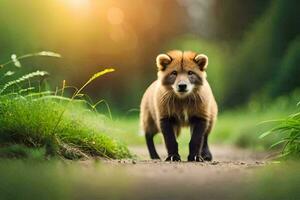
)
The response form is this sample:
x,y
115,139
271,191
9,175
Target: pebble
x,y
215,163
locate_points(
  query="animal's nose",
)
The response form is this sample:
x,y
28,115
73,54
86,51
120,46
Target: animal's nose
x,y
182,87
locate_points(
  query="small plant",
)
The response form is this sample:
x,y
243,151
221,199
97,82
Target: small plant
x,y
23,79
289,130
16,60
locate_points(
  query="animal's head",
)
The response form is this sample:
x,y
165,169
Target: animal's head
x,y
182,71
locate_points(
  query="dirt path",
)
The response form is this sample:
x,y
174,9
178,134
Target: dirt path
x,y
221,153
228,161
147,179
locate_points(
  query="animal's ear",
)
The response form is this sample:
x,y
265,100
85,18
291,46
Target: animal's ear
x,y
162,60
202,61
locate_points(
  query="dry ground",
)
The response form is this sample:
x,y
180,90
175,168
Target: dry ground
x,y
231,171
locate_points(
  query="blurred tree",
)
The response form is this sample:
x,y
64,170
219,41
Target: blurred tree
x,y
259,56
287,77
222,20
232,17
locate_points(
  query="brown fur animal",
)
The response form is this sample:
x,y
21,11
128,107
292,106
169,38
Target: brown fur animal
x,y
181,96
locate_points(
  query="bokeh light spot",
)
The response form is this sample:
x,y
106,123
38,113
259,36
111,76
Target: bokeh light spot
x,y
115,15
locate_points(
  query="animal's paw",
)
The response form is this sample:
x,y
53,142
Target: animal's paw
x,y
158,158
206,155
155,157
175,158
196,158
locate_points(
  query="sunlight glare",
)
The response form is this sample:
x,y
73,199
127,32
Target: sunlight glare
x,y
115,15
78,3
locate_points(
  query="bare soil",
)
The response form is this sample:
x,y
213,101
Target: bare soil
x,y
227,160
231,170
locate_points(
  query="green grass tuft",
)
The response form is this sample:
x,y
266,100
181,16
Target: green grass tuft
x,y
288,130
31,123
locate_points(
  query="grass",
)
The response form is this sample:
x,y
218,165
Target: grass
x,y
41,123
288,130
33,123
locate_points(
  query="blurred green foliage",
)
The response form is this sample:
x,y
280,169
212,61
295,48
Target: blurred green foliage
x,y
260,55
232,18
287,78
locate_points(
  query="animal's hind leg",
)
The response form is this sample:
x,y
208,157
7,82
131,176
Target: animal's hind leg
x,y
150,144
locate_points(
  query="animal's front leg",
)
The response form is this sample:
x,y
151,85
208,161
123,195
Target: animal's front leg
x,y
167,128
198,128
205,153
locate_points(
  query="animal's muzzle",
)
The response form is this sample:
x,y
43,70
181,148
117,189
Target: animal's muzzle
x,y
182,87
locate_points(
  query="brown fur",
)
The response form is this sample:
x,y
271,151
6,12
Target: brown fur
x,y
160,101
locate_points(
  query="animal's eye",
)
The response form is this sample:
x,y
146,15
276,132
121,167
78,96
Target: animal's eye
x,y
190,72
174,73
